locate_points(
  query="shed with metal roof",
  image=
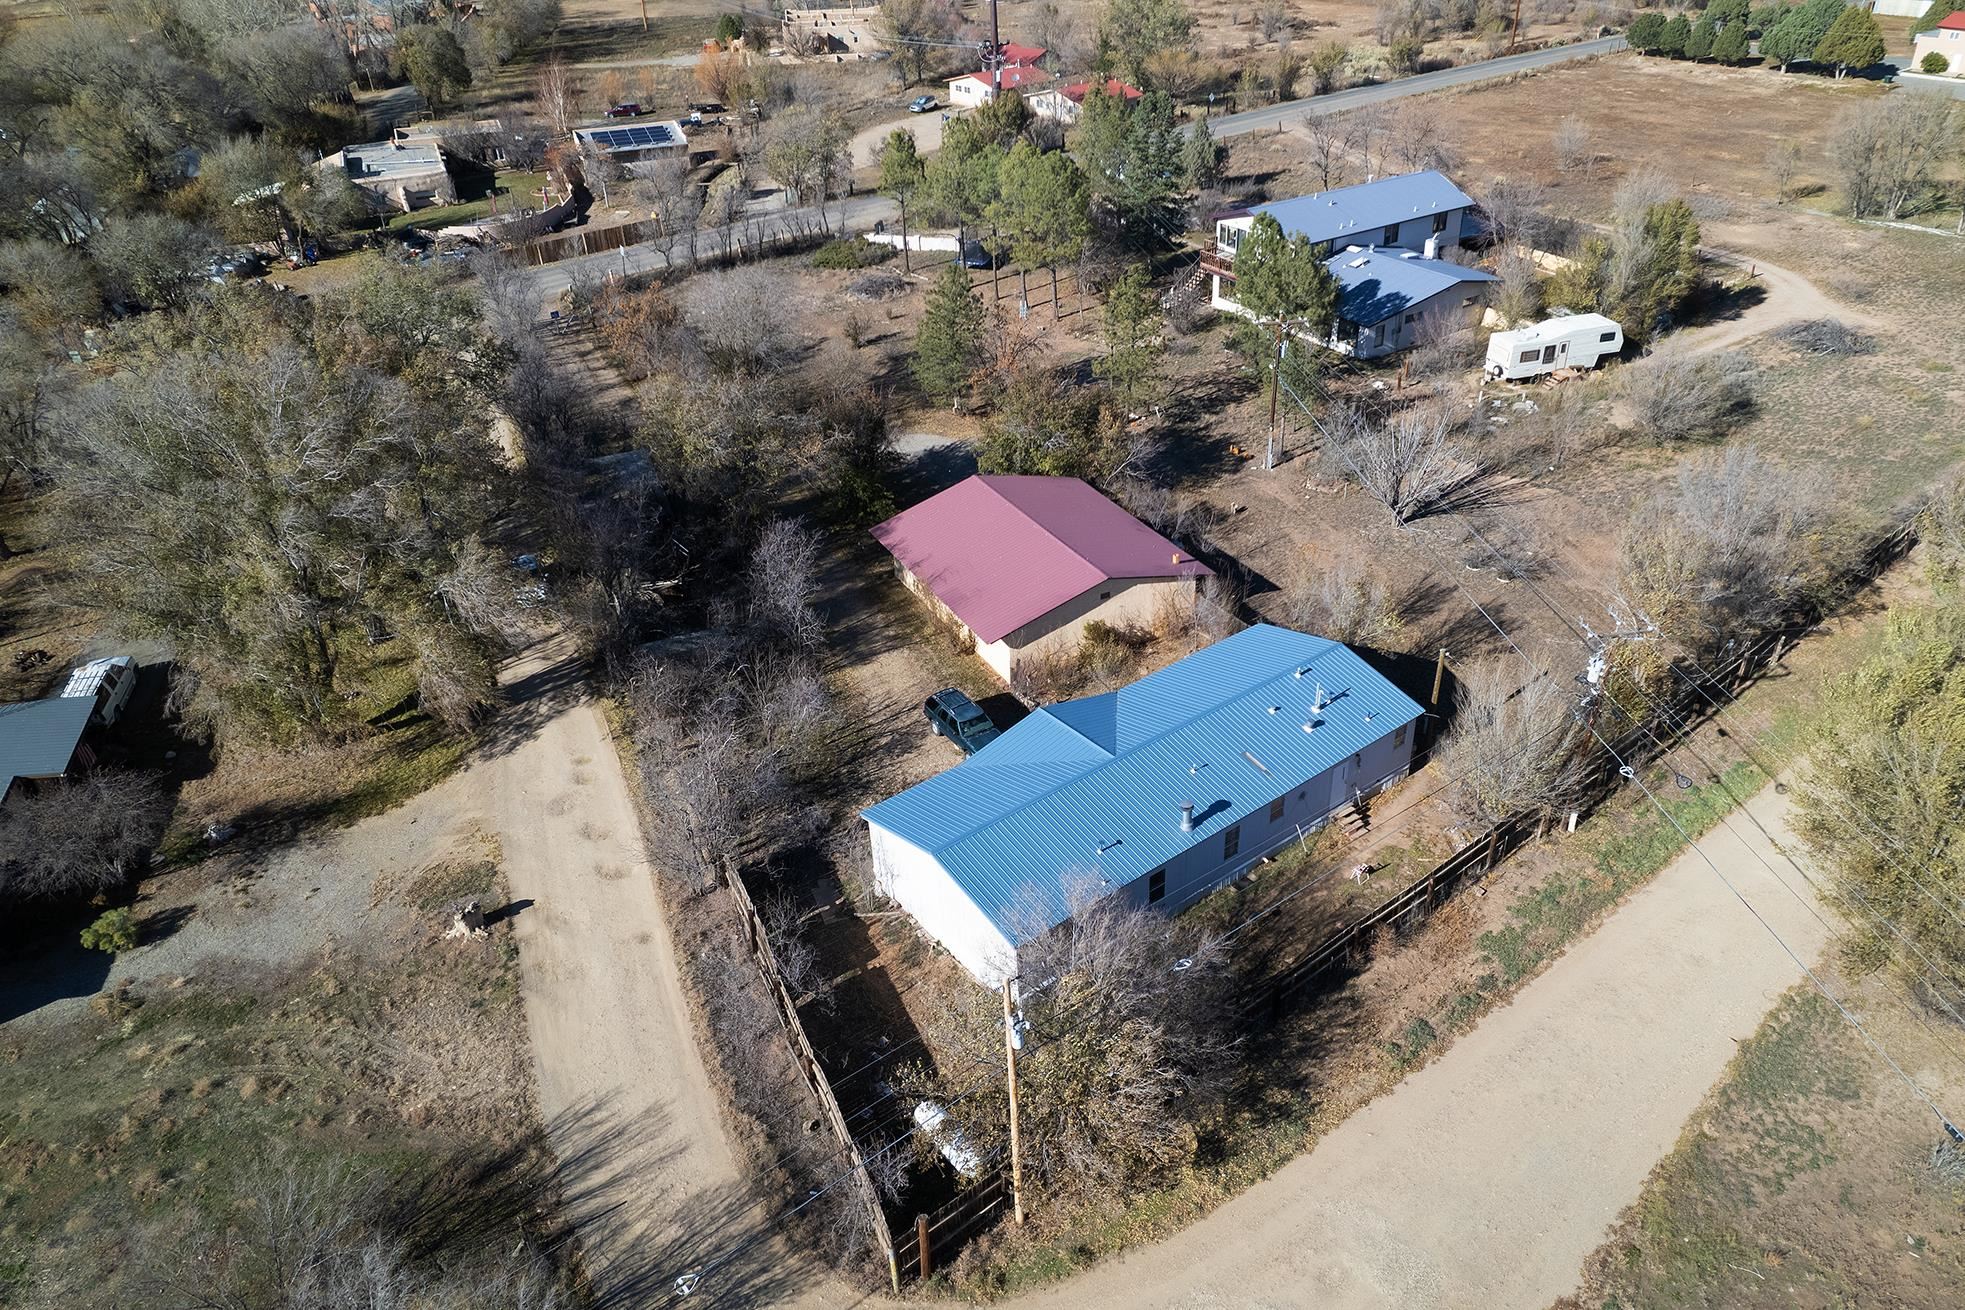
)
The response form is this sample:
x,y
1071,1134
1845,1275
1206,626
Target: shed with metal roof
x,y
1022,564
42,739
1160,791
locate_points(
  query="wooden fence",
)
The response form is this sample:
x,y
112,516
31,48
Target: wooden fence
x,y
759,940
949,1227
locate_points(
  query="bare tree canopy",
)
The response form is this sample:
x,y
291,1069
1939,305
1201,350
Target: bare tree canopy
x,y
1889,153
1126,1056
1513,747
1730,548
1405,460
1675,395
81,836
280,482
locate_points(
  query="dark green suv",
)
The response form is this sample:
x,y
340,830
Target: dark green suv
x,y
954,716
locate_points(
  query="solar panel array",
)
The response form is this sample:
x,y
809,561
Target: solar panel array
x,y
633,138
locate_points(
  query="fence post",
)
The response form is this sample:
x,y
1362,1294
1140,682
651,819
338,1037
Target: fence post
x,y
894,1271
1493,849
921,1246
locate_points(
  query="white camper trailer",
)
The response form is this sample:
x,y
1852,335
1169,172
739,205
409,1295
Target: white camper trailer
x,y
1565,341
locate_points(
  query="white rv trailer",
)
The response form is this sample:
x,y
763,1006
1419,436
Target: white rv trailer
x,y
1565,341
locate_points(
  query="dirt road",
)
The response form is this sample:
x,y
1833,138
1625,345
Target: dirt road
x,y
621,1086
1485,1179
1790,298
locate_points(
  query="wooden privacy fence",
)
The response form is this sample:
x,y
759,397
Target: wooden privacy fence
x,y
759,940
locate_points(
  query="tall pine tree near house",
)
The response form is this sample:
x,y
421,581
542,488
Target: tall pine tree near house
x,y
946,346
901,175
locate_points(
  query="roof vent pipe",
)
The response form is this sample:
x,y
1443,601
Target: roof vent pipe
x,y
1187,816
1321,701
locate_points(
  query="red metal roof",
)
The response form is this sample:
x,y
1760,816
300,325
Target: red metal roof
x,y
1023,54
1001,551
1013,78
1077,91
1954,22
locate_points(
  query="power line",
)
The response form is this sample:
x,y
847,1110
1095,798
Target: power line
x,y
1625,769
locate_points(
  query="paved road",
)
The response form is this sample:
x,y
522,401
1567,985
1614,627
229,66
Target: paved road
x,y
1484,1180
1257,120
861,212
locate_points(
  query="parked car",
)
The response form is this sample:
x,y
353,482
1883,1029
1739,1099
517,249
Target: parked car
x,y
109,682
948,1137
629,110
706,107
922,104
952,715
977,255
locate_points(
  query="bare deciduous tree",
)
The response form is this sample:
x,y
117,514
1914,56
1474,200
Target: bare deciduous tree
x,y
1890,152
1573,147
1327,148
1406,461
784,578
1124,1054
1513,746
738,317
1729,549
1417,135
1783,162
556,93
79,837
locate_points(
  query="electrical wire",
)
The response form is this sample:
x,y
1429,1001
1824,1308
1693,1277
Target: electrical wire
x,y
1626,770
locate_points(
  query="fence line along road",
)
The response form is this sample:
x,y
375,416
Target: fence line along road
x,y
1256,120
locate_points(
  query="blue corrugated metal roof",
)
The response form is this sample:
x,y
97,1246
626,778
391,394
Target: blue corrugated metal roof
x,y
38,737
1359,212
1024,816
1374,285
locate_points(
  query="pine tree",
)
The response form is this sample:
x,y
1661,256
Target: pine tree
x,y
1132,320
1699,44
1647,33
1044,205
946,346
1730,46
901,175
1937,13
1852,41
1677,35
1200,158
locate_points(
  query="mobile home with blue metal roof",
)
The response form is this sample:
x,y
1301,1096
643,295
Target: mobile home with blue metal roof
x,y
1160,791
1385,243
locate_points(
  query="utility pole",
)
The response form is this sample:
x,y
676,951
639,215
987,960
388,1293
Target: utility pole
x,y
1439,674
1275,388
1010,1059
995,63
1515,32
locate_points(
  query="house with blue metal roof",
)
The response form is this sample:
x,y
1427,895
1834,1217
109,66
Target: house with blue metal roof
x,y
1386,244
1160,792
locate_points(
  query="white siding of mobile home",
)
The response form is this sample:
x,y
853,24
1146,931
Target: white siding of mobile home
x,y
911,876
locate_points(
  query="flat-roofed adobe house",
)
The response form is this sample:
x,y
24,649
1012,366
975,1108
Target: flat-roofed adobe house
x,y
1022,564
407,174
1386,243
1160,792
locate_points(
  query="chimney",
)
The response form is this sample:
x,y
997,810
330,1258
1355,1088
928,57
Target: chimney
x,y
1432,247
1187,816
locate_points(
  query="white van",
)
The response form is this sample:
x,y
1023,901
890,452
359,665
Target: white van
x,y
109,682
1563,341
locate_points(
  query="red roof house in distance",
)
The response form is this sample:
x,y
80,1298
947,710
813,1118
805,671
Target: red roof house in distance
x,y
1023,563
1020,73
1065,103
1947,39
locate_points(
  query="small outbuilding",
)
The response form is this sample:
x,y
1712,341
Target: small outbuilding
x,y
41,740
1022,564
1159,792
408,174
636,142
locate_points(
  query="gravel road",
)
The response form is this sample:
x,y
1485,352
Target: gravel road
x,y
1485,1179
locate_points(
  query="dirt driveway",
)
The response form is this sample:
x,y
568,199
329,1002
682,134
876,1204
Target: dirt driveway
x,y
1790,298
1485,1179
